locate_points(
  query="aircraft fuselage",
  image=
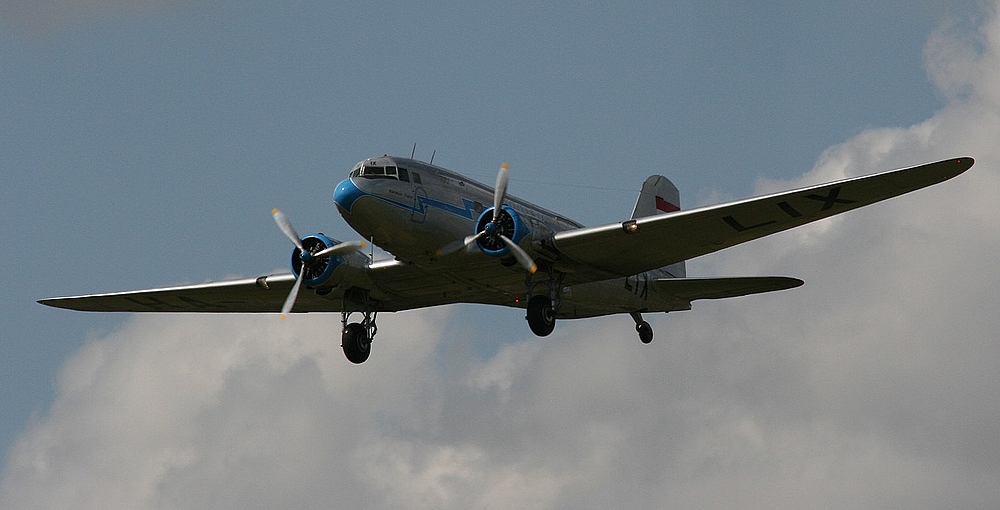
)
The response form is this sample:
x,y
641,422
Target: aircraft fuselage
x,y
414,209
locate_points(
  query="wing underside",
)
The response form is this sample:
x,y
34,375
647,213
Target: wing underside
x,y
392,285
250,295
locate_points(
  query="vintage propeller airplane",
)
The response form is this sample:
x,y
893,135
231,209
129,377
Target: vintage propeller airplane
x,y
455,240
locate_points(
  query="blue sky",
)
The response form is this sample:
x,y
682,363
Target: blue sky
x,y
145,146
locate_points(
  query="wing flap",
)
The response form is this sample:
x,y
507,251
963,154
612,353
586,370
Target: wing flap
x,y
642,244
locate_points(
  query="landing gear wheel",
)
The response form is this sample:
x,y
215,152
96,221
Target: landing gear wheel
x,y
645,332
541,317
356,343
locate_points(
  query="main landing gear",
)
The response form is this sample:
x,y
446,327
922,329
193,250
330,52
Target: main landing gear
x,y
541,316
356,338
357,342
542,308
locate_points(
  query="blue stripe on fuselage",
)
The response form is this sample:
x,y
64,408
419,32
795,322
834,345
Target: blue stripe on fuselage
x,y
348,192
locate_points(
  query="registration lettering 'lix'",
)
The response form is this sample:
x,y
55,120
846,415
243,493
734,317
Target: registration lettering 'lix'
x,y
739,227
159,305
829,200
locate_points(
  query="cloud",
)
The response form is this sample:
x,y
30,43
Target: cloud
x,y
873,385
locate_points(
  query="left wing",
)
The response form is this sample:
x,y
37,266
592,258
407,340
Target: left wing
x,y
634,246
393,285
250,295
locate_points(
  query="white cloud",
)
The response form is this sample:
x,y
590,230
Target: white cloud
x,y
874,385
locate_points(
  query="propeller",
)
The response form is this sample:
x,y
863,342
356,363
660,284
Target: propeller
x,y
499,191
491,228
306,256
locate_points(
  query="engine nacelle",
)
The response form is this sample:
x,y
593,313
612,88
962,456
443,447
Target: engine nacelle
x,y
508,224
318,269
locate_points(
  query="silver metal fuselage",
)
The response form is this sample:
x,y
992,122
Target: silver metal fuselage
x,y
414,217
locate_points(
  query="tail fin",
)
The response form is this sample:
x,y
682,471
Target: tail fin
x,y
660,196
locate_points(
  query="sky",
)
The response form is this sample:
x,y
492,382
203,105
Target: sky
x,y
144,144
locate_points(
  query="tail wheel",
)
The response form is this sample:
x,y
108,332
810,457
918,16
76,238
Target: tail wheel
x,y
645,332
541,317
356,343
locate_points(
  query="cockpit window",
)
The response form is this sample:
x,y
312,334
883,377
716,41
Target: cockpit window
x,y
381,172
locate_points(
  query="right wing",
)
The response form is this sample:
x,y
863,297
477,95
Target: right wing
x,y
642,244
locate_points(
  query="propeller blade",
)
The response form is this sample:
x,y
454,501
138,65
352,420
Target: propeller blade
x,y
454,246
286,227
521,255
341,249
290,300
500,192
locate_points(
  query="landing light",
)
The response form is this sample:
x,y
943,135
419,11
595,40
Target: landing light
x,y
630,226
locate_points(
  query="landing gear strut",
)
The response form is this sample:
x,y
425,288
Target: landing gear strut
x,y
643,328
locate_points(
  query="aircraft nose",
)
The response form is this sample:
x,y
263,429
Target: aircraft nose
x,y
347,193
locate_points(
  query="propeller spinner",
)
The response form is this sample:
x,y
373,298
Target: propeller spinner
x,y
306,256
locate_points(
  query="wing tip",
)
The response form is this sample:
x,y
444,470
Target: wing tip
x,y
793,282
53,302
955,166
67,303
965,163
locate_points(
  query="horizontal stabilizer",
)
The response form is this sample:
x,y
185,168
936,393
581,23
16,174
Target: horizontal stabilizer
x,y
690,289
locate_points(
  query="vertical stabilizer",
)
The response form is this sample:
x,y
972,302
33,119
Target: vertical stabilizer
x,y
660,196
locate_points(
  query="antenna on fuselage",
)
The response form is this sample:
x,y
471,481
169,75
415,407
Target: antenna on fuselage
x,y
414,151
431,162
